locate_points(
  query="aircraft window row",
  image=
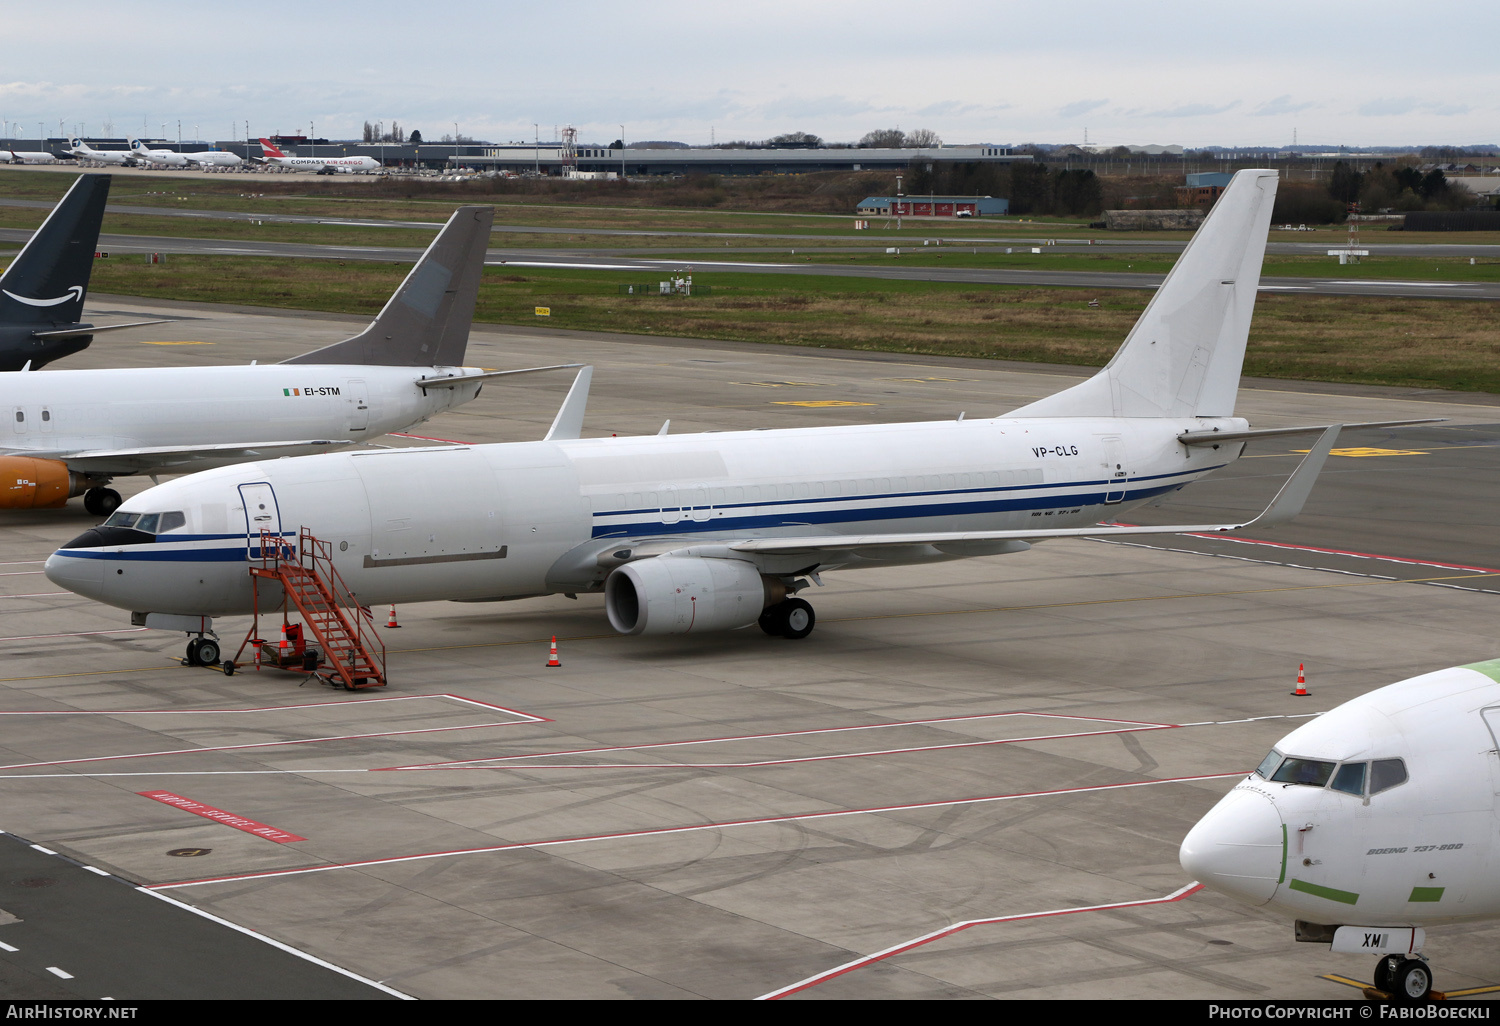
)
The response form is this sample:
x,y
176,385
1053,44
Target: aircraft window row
x,y
1350,778
149,523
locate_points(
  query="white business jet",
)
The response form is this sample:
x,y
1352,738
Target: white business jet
x,y
716,531
83,151
71,431
322,165
1372,822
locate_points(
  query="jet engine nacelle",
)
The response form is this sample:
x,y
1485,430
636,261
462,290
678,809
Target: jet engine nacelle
x,y
678,594
29,483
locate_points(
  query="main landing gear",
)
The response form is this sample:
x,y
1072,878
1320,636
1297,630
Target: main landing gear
x,y
792,619
1405,979
101,502
204,651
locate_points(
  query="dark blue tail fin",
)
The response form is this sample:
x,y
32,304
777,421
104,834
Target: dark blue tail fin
x,y
46,283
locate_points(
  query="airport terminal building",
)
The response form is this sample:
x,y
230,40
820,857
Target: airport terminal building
x,y
552,158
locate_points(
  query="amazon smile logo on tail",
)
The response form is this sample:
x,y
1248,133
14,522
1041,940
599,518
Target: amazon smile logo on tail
x,y
75,292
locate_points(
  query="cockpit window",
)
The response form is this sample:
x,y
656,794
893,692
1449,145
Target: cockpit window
x,y
1268,765
1304,771
1350,778
171,521
1385,774
147,523
118,519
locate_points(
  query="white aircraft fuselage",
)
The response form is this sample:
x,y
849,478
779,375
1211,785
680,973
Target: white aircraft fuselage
x,y
347,164
512,520
83,411
214,158
1381,814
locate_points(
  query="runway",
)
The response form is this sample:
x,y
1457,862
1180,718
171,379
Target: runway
x,y
969,781
541,258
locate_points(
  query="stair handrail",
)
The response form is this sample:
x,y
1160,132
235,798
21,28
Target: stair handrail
x,y
311,552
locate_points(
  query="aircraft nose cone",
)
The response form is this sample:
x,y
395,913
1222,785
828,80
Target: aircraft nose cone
x,y
81,576
1238,848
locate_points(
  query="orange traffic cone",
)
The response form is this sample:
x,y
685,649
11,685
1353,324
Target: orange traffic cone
x,y
392,621
1301,691
552,656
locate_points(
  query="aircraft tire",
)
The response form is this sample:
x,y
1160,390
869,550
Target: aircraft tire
x,y
796,619
194,645
1385,973
767,621
1412,980
208,652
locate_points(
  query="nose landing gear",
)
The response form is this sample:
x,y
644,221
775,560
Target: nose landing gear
x,y
1404,979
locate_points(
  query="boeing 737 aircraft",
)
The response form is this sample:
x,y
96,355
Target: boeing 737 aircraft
x,y
83,151
322,165
721,530
1369,824
41,292
74,430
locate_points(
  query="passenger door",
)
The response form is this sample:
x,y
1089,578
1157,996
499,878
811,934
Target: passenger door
x,y
261,514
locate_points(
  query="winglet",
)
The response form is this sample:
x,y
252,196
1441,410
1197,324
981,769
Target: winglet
x,y
569,420
1288,502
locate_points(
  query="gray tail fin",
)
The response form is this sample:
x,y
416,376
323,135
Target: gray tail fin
x,y
47,281
1183,357
426,323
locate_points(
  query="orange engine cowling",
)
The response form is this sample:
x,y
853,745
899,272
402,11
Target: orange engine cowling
x,y
29,483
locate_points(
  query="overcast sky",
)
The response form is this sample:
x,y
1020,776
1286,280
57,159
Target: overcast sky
x,y
1195,74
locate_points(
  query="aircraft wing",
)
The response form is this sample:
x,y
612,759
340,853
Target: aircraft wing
x,y
1286,505
170,458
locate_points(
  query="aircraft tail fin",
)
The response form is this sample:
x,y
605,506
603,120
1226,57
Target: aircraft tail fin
x,y
426,322
1183,357
269,149
46,283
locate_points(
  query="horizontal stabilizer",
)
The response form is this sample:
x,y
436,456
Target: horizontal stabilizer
x,y
1287,504
569,420
1217,437
89,329
454,380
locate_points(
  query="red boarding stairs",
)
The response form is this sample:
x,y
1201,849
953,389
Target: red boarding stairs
x,y
309,581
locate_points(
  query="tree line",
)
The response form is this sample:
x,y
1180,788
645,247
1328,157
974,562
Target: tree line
x,y
1031,186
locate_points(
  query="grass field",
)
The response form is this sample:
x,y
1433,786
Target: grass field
x,y
309,195
1450,344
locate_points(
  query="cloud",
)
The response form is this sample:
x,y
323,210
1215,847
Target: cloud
x,y
1082,107
1194,110
1281,105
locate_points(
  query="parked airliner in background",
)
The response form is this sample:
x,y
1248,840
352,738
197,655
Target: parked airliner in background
x,y
167,158
83,151
28,157
1369,824
322,165
71,431
42,291
213,158
718,531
